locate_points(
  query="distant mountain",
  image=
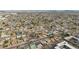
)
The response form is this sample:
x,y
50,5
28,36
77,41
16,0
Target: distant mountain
x,y
66,11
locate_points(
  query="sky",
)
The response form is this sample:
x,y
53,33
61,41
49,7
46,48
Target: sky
x,y
39,5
